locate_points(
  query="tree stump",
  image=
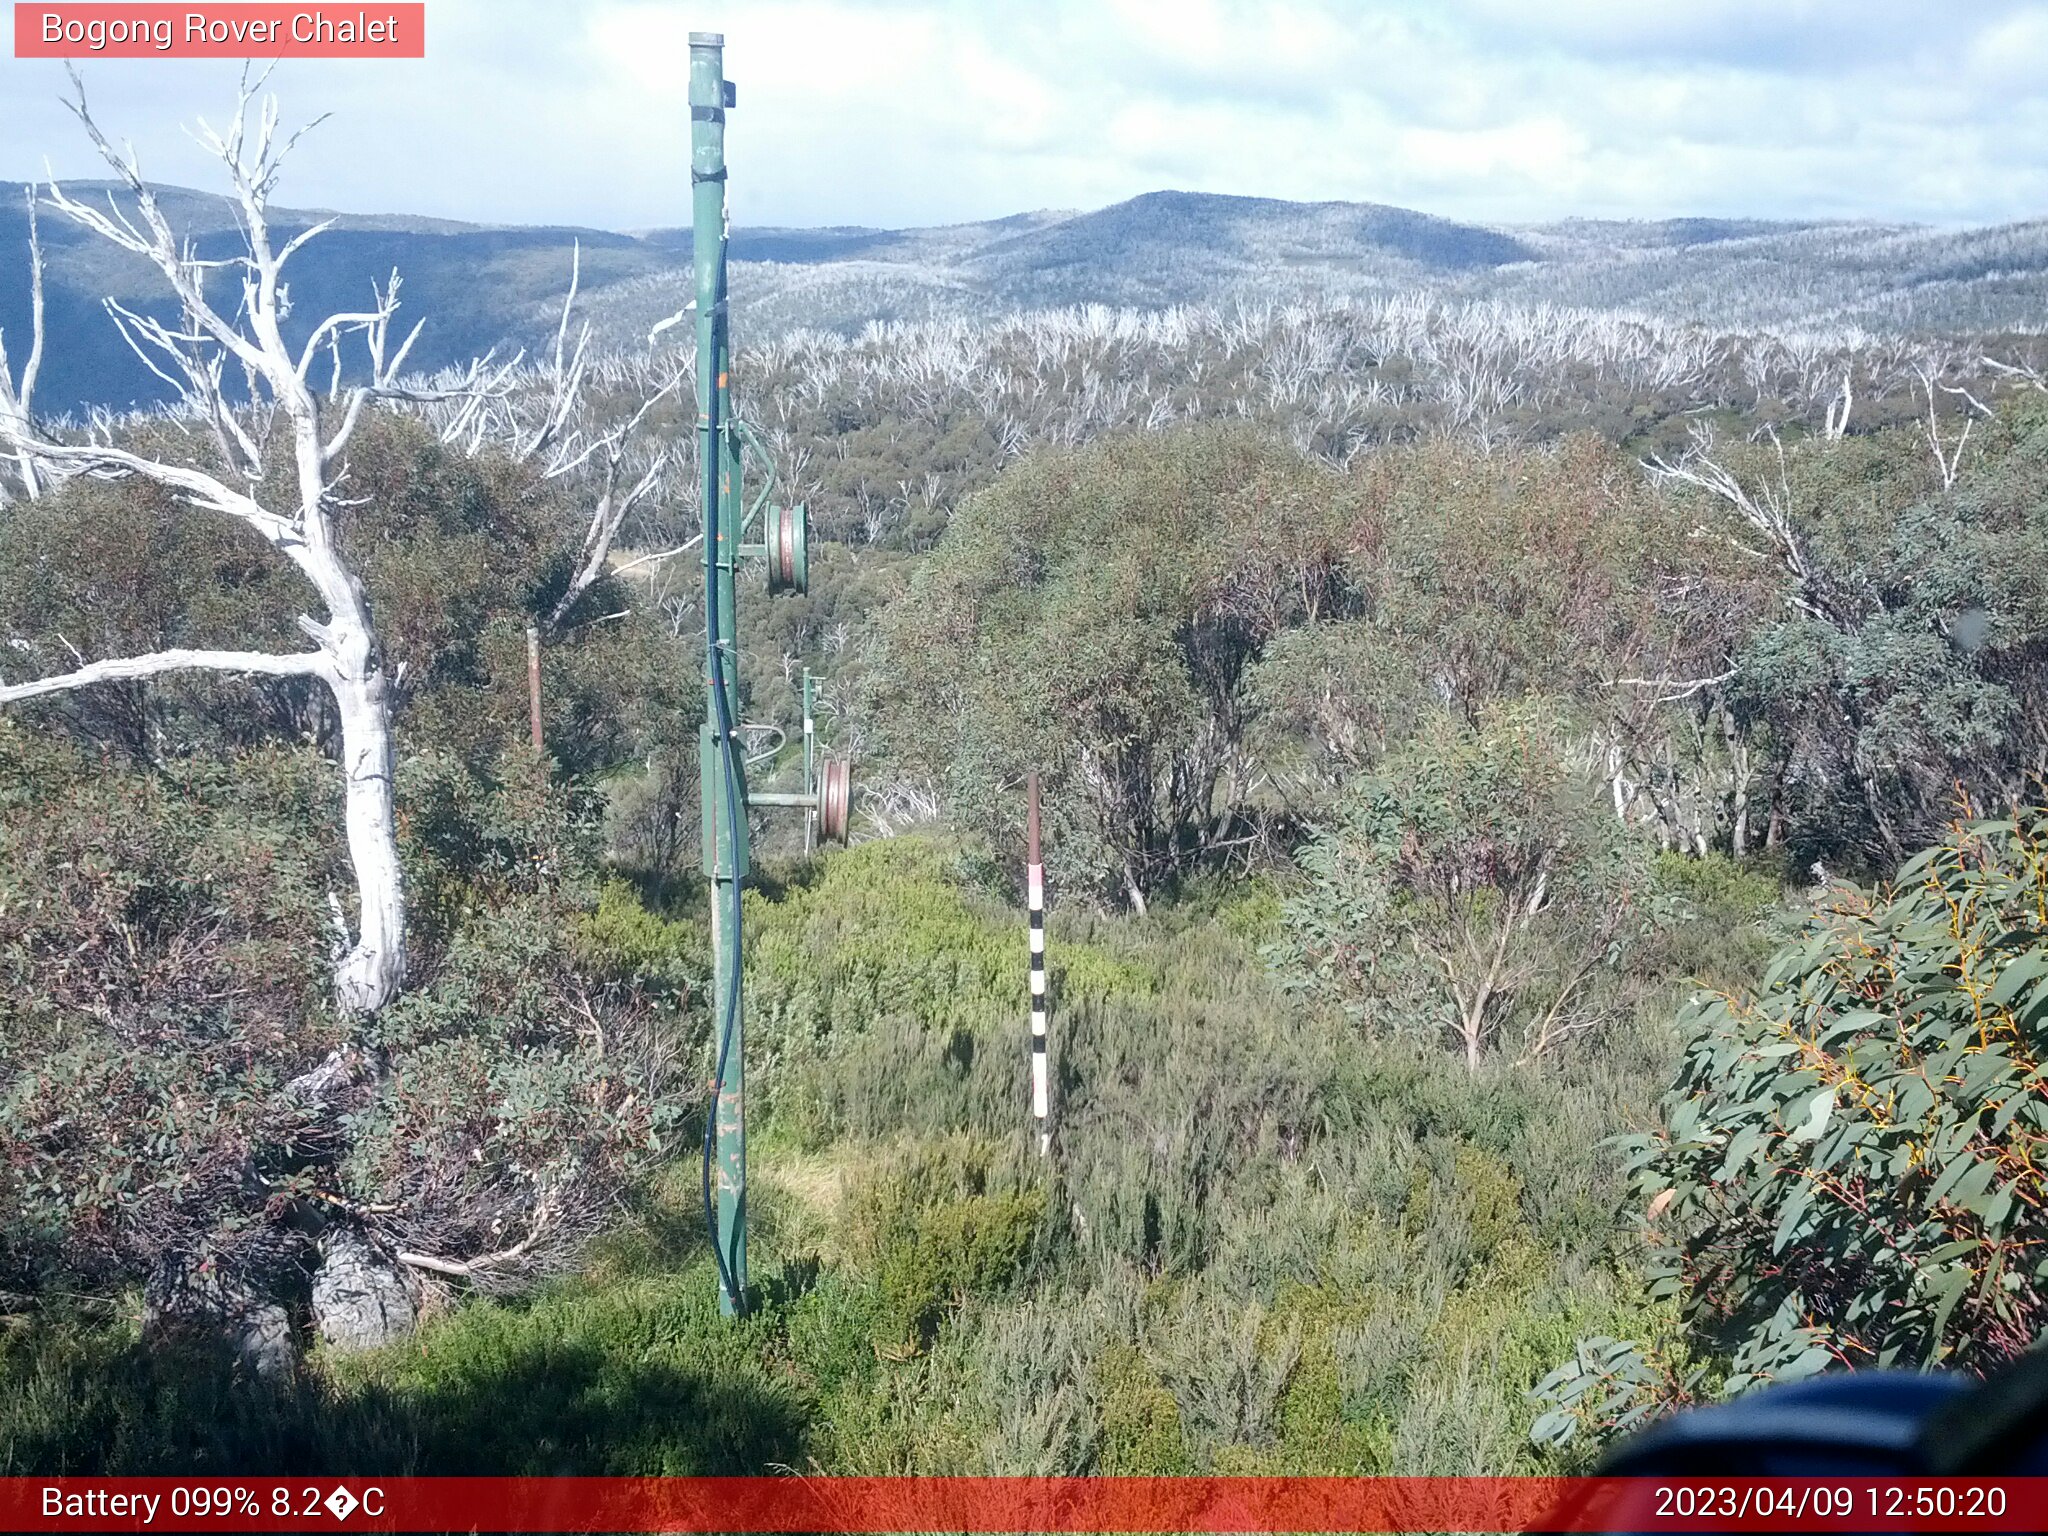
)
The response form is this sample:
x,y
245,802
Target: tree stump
x,y
360,1296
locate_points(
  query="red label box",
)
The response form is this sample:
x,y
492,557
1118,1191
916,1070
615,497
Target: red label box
x,y
360,30
869,1506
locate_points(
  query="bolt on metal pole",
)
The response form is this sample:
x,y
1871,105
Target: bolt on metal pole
x,y
723,793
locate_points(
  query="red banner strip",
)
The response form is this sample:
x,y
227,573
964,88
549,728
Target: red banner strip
x,y
1019,1504
376,30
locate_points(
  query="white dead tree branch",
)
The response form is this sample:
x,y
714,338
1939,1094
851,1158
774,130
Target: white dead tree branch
x,y
541,414
614,502
659,555
156,663
2018,373
1681,688
1766,508
1948,458
311,432
1838,410
17,398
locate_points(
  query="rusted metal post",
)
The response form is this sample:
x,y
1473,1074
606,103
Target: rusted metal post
x,y
1034,880
533,683
810,767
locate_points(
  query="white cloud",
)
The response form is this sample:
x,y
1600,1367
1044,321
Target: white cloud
x,y
916,111
1543,151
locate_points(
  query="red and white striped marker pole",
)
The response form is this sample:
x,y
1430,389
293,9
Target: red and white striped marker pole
x,y
1034,880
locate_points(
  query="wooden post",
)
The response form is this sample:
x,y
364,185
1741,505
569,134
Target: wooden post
x,y
533,682
810,769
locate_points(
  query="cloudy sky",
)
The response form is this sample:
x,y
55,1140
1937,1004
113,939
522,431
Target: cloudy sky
x,y
928,111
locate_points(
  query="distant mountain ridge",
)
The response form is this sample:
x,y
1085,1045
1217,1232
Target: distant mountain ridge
x,y
482,286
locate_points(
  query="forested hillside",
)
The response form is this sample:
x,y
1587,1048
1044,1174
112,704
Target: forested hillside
x,y
1470,731
482,287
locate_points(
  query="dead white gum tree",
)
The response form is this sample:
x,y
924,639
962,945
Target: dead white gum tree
x,y
17,397
287,418
540,414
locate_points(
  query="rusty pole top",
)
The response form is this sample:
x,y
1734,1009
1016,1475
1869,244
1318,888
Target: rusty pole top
x,y
1031,821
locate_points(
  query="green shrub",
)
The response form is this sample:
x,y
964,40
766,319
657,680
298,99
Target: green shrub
x,y
1479,1195
883,998
933,1231
621,939
160,978
162,962
1261,1244
1845,1174
1474,891
1724,923
642,1376
1141,1428
1092,615
1845,1169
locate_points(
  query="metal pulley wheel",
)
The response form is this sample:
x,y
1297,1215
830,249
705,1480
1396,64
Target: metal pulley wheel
x,y
788,544
835,800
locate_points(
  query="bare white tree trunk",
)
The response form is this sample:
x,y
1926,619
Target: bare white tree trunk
x,y
17,400
1766,509
370,961
372,971
1948,458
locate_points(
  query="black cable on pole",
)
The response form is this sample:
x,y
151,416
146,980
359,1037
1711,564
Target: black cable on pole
x,y
714,646
732,815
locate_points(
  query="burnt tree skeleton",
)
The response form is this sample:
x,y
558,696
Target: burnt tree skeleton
x,y
286,415
259,432
291,409
17,399
539,414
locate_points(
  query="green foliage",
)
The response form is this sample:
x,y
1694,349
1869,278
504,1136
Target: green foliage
x,y
641,1377
1216,1153
1197,636
622,939
1716,883
882,998
1141,1426
456,554
935,1227
1487,1194
1845,1174
1474,883
1508,574
1331,697
165,892
1607,1388
1909,663
1093,615
162,979
1315,1432
1261,1246
1264,1244
1724,918
1848,1154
